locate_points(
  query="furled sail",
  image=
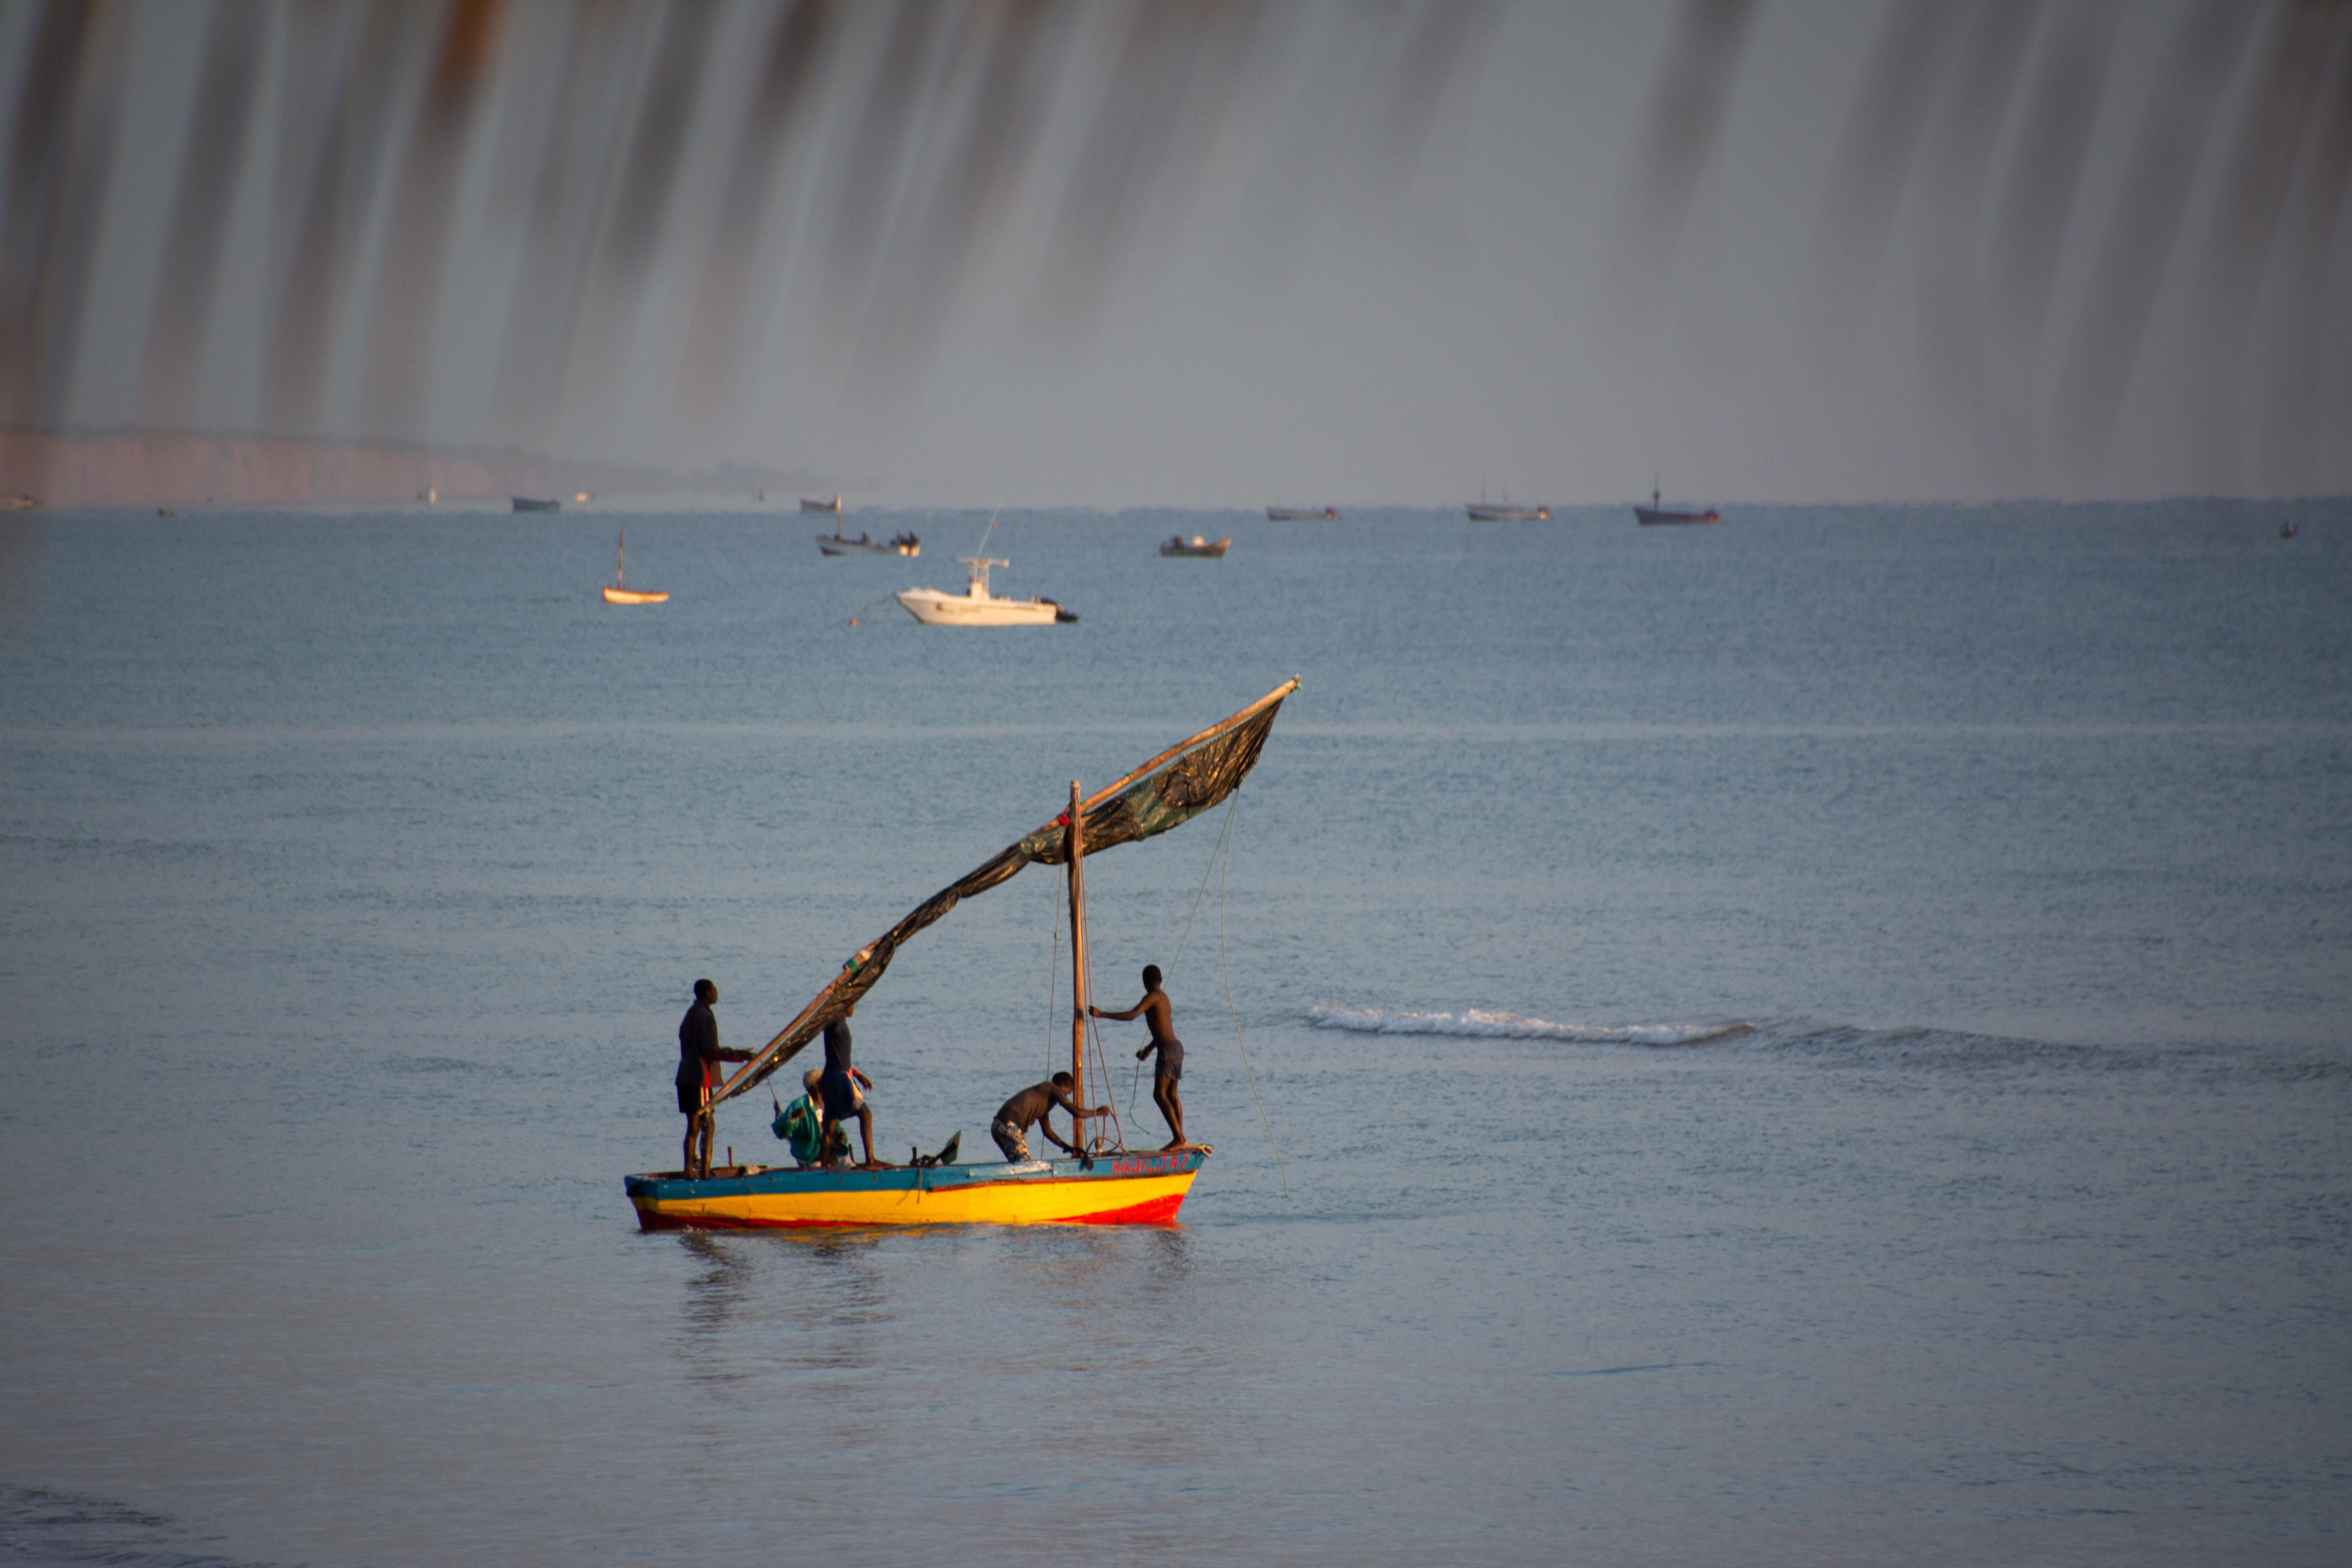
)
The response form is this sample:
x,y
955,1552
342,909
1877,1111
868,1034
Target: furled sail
x,y
1170,790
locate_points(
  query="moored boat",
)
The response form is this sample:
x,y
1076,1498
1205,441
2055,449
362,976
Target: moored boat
x,y
834,543
620,595
1107,1184
1655,515
1197,545
1504,510
976,606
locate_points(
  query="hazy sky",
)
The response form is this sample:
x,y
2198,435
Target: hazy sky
x,y
1771,252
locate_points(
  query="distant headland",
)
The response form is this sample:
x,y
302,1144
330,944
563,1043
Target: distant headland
x,y
178,468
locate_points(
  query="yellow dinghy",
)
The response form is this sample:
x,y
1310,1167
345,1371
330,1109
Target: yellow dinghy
x,y
617,593
1110,1184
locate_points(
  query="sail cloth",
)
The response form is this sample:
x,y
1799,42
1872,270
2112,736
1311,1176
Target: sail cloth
x,y
1166,792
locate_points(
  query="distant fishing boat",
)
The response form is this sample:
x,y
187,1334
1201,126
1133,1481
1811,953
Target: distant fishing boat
x,y
1653,515
528,503
2286,529
1483,511
1196,545
837,543
17,504
1110,1184
618,594
1302,514
833,506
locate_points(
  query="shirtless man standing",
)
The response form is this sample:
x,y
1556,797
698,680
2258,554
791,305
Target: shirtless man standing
x,y
1035,1104
1159,1017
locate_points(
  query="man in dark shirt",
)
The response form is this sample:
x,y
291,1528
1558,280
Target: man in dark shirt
x,y
838,1089
1159,1016
1035,1104
698,1053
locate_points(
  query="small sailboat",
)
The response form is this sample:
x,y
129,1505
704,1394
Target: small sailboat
x,y
619,594
1196,545
1653,515
1110,1184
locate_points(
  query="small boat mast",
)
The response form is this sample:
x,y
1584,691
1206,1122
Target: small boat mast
x,y
1078,997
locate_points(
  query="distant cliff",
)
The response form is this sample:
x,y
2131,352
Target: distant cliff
x,y
149,468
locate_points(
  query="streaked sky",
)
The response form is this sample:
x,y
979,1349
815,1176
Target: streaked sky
x,y
1179,254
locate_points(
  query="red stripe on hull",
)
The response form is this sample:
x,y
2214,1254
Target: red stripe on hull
x,y
1156,1211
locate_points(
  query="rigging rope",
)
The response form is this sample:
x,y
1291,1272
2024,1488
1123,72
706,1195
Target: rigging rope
x,y
1135,1081
1236,1011
1052,975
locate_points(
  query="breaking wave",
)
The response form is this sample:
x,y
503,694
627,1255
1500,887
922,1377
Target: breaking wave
x,y
1510,1025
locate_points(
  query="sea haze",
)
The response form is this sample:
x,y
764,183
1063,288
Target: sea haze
x,y
1820,1040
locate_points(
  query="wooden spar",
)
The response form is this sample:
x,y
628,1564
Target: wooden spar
x,y
1211,733
1078,966
743,1076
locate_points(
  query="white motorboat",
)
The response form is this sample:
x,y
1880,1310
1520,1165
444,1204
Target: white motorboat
x,y
976,606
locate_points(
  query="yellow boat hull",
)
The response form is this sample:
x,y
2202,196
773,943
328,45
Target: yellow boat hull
x,y
1116,1189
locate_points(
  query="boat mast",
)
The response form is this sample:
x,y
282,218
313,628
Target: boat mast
x,y
621,559
1077,960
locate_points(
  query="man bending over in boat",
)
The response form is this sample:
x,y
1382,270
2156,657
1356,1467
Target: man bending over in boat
x,y
698,1052
1159,1016
1036,1103
837,1089
800,1122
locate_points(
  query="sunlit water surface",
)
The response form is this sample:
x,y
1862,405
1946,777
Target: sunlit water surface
x,y
1820,1040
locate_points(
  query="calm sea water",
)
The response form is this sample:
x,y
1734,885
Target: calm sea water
x,y
1819,1040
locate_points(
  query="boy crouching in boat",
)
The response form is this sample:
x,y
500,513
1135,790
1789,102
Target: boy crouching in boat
x,y
1036,1103
802,1121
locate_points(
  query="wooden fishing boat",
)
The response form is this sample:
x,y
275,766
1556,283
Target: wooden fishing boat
x,y
1654,515
1117,1188
1198,545
1504,510
838,543
1110,1184
619,594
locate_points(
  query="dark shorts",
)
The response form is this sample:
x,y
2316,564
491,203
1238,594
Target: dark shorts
x,y
840,1092
1171,1065
689,1097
